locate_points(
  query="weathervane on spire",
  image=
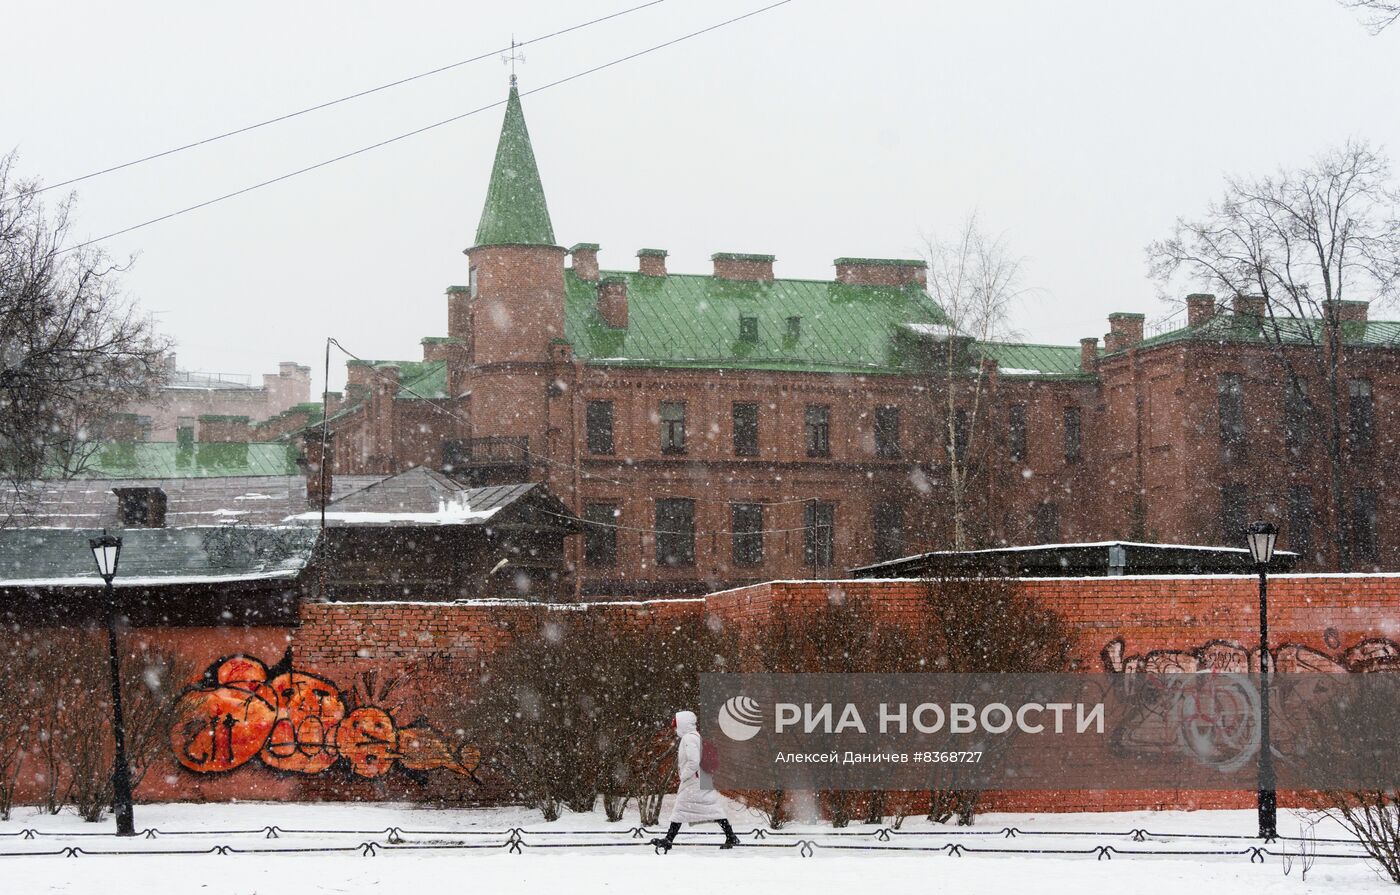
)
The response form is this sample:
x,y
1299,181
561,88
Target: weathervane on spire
x,y
511,58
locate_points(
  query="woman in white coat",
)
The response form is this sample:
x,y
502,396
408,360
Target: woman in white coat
x,y
697,801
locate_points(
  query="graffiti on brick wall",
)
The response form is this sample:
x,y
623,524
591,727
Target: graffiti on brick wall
x,y
1184,708
1227,656
297,721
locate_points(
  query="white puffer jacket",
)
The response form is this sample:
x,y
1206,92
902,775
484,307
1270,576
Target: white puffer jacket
x,y
696,798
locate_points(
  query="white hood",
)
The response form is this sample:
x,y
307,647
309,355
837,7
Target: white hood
x,y
685,723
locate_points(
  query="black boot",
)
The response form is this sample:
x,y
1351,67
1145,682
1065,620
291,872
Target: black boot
x,y
664,845
730,839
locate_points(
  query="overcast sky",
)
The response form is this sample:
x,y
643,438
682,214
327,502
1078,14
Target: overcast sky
x,y
1078,129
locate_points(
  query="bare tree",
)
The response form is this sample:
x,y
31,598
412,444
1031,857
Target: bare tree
x,y
73,347
1304,241
1379,14
974,279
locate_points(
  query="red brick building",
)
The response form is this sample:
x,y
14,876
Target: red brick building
x,y
732,427
190,395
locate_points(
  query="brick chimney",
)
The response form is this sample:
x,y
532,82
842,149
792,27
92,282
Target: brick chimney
x,y
1124,331
141,507
1250,306
739,266
459,312
1089,354
880,271
312,458
651,262
584,260
1200,308
612,301
1345,311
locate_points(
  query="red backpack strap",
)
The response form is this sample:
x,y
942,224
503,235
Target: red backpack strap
x,y
709,758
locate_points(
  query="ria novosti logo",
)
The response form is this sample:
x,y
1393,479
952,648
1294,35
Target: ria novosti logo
x,y
740,718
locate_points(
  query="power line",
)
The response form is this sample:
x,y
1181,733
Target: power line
x,y
344,99
424,129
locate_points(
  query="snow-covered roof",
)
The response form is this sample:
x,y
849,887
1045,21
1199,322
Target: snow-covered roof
x,y
61,557
419,496
1130,557
422,496
251,500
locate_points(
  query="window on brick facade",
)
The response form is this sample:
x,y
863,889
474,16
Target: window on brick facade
x,y
1016,432
1363,525
748,329
1300,520
1234,514
818,430
745,429
887,432
1297,416
1074,434
1361,414
599,419
746,528
1046,523
672,427
962,425
600,534
889,530
1230,400
471,282
819,535
675,531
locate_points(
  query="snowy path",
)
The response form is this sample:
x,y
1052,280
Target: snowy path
x,y
221,849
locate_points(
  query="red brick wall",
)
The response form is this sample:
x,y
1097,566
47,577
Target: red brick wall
x,y
437,645
1328,613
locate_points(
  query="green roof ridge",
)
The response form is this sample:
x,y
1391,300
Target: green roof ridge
x,y
515,212
884,262
741,256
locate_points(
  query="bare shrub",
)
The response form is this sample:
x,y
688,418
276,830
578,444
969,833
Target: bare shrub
x,y
841,636
578,709
70,711
986,625
17,716
1373,817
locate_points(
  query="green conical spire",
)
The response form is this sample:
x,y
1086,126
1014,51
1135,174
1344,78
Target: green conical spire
x,y
515,212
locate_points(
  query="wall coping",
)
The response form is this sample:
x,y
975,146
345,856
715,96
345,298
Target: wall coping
x,y
523,604
1250,576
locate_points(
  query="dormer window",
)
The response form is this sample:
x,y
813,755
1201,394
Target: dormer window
x,y
794,328
748,329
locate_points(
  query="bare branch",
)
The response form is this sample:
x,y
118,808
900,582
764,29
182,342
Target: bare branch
x,y
74,350
1379,14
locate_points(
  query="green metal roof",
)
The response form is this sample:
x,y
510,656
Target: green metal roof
x,y
685,320
1022,360
171,460
515,212
422,379
1234,328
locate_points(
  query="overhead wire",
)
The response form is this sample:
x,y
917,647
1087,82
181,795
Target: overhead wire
x,y
425,128
343,99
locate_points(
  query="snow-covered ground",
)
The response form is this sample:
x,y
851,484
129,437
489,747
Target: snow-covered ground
x,y
221,849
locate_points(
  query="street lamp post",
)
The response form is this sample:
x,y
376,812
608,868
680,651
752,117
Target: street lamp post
x,y
1262,536
106,550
